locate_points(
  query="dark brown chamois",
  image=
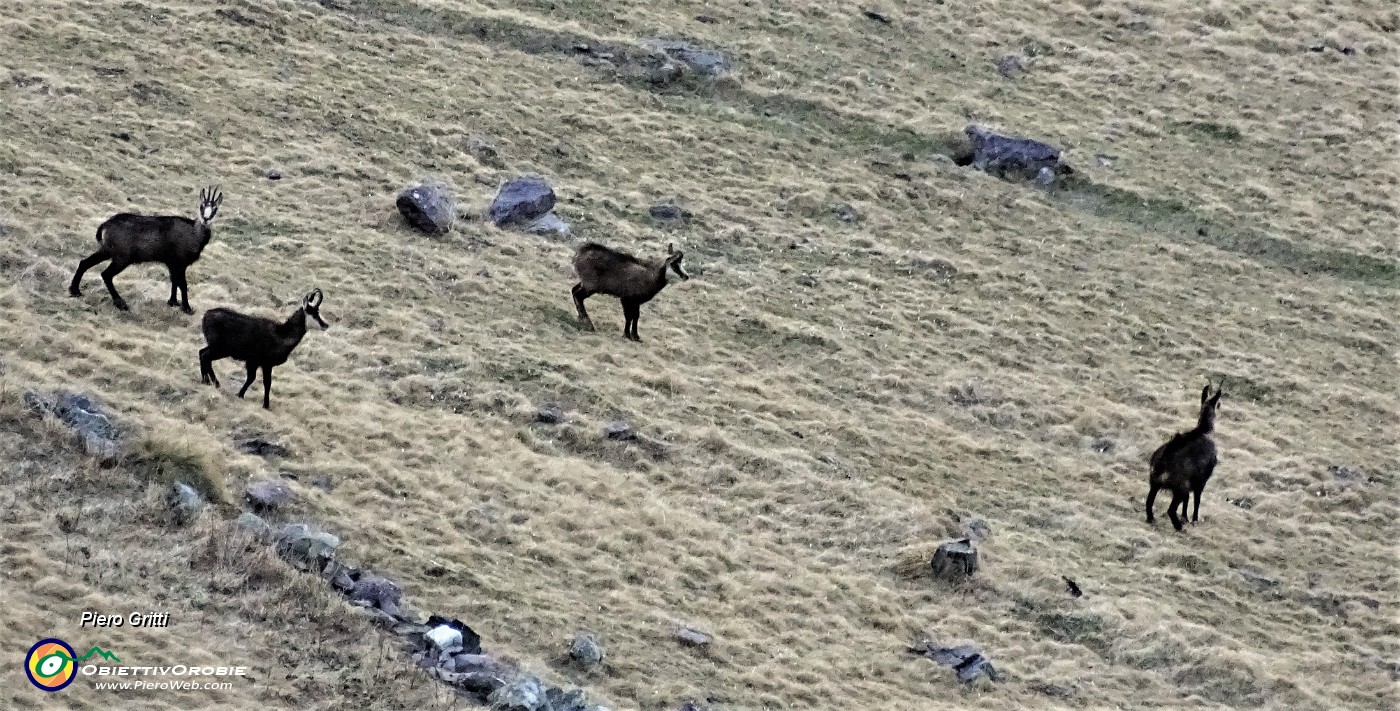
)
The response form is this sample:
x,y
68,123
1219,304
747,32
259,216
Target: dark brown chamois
x,y
259,342
1184,464
174,241
603,270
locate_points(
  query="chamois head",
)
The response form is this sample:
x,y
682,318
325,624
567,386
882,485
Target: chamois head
x,y
673,260
209,201
311,304
1209,405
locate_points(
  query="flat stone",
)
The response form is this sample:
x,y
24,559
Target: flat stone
x,y
305,547
428,208
252,525
521,200
692,637
268,495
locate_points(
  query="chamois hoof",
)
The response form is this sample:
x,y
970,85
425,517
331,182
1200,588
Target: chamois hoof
x,y
121,305
74,292
586,326
187,310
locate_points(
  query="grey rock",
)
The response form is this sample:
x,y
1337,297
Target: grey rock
x,y
267,495
428,208
586,650
260,446
273,175
523,693
376,590
665,73
549,225
619,430
341,577
1010,66
955,559
693,637
668,212
305,547
184,501
252,525
708,62
878,16
1045,178
86,417
470,640
462,662
1103,445
1012,157
966,660
549,415
560,700
521,201
483,151
846,213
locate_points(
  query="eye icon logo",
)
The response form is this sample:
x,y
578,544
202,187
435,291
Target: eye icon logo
x,y
50,664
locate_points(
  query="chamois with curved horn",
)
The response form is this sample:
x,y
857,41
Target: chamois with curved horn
x,y
604,270
1184,464
259,342
174,241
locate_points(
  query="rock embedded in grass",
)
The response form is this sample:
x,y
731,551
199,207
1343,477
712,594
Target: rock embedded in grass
x,y
967,661
955,559
1011,157
521,201
184,501
619,430
428,208
305,547
263,496
252,525
585,650
693,637
260,446
707,62
549,415
376,591
85,416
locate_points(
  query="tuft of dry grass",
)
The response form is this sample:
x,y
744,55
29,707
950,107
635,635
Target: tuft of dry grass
x,y
822,403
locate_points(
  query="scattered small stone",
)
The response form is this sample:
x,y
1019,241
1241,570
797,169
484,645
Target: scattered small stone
x,y
665,73
522,200
585,650
706,19
1045,178
252,525
1201,232
968,661
549,415
1317,48
305,547
262,447
484,273
619,430
955,559
483,151
1243,502
878,16
1346,475
1073,587
324,483
428,208
549,224
692,637
1010,66
1348,51
185,501
846,213
1103,445
264,496
273,175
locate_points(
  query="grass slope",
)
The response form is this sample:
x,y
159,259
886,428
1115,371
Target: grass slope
x,y
830,397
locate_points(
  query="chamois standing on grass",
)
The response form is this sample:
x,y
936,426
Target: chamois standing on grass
x,y
174,241
1184,464
259,342
603,270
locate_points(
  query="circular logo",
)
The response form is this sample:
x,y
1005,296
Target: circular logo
x,y
50,665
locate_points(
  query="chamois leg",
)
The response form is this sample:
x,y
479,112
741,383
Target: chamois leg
x,y
177,281
1178,499
580,294
111,271
206,366
1151,499
97,258
267,387
252,373
1196,512
631,311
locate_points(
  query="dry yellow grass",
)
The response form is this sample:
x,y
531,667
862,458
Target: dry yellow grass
x,y
828,401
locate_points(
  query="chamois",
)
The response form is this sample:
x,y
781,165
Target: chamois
x,y
1184,464
259,342
603,270
174,241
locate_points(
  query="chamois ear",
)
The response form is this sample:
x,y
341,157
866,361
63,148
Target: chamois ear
x,y
1205,393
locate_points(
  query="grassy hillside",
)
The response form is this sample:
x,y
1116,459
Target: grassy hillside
x,y
827,399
